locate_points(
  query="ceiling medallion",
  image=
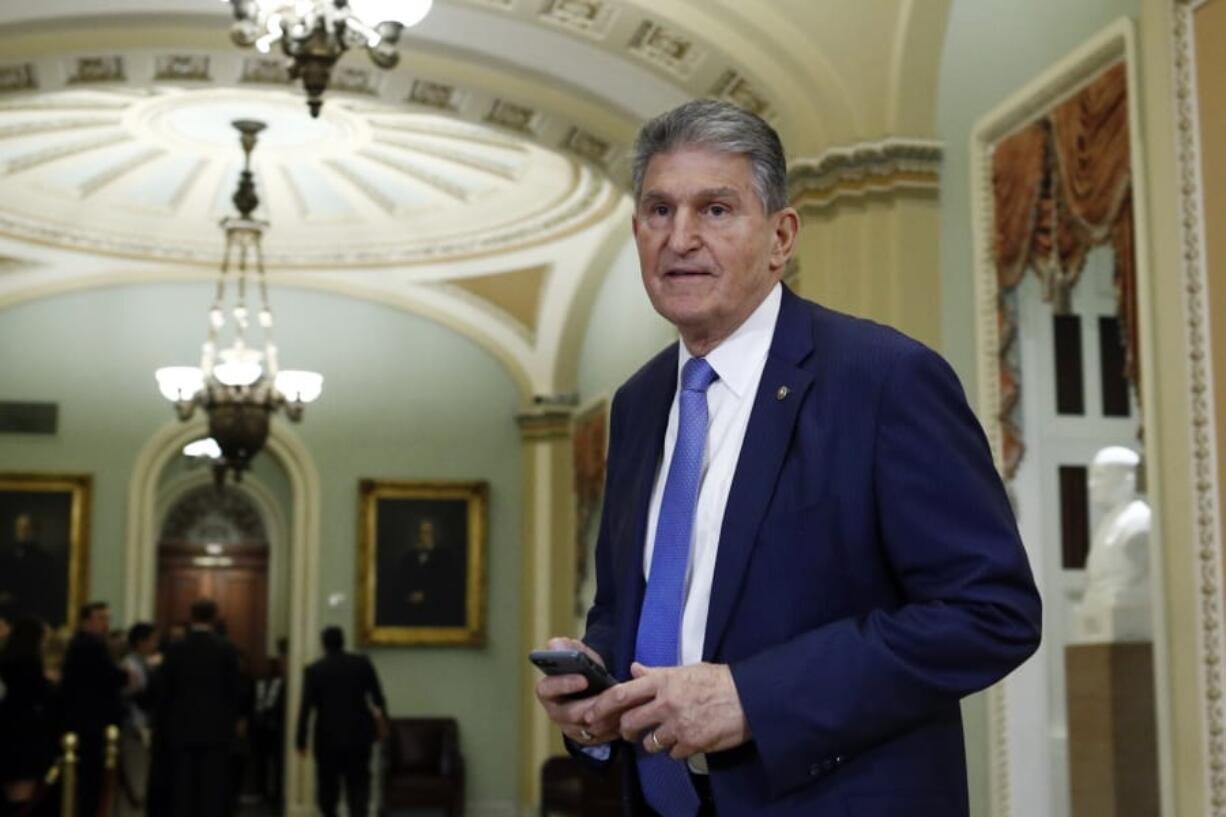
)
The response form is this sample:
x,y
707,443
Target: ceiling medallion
x,y
314,34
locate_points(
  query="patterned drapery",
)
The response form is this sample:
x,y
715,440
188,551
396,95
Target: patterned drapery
x,y
1061,186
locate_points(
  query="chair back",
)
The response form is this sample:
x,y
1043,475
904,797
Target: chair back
x,y
422,745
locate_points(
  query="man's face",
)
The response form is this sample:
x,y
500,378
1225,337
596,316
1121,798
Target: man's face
x,y
149,646
708,250
23,528
99,622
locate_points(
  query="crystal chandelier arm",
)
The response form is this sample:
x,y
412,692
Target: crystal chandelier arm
x,y
240,304
272,364
217,315
365,35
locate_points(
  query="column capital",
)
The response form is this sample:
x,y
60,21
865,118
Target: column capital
x,y
544,422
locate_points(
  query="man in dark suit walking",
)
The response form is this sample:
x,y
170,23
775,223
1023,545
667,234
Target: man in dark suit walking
x,y
343,690
92,691
806,556
198,707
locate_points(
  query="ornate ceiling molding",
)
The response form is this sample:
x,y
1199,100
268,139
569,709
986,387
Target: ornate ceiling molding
x,y
666,49
387,91
590,18
17,77
10,264
735,88
593,201
870,167
369,184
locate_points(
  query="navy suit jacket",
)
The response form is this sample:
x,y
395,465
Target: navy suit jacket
x,y
869,572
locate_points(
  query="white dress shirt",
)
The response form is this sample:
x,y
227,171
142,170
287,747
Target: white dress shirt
x,y
739,361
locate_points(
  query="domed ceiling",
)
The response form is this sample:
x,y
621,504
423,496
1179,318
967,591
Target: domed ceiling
x,y
367,183
480,183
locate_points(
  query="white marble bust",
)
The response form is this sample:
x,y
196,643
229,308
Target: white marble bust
x,y
1116,604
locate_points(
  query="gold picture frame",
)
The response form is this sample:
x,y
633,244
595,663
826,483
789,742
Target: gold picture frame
x,y
421,563
44,544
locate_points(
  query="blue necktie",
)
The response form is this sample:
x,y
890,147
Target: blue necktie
x,y
666,782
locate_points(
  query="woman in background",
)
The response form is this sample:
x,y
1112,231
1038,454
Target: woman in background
x,y
29,717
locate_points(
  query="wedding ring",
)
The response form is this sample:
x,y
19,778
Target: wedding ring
x,y
656,741
586,735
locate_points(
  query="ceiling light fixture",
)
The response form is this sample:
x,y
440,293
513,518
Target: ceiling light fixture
x,y
239,387
314,34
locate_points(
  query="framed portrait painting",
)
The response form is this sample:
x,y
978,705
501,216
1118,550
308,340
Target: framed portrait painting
x,y
44,544
421,562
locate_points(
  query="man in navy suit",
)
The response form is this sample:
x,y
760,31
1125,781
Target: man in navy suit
x,y
806,557
199,691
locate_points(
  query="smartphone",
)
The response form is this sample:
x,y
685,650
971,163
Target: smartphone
x,y
574,662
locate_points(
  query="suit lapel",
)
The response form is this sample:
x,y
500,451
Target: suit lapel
x,y
649,419
766,444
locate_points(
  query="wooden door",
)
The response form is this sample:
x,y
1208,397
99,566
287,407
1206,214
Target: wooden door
x,y
236,579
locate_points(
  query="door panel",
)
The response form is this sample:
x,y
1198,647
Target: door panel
x,y
239,585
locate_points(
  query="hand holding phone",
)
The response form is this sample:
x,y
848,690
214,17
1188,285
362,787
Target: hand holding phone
x,y
574,662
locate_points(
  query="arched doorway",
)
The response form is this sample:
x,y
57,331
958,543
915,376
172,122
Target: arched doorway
x,y
296,537
213,544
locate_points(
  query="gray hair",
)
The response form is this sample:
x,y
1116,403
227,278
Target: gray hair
x,y
723,127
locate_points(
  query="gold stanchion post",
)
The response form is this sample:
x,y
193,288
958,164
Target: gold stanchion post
x,y
68,801
111,773
112,747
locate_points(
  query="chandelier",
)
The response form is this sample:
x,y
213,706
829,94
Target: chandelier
x,y
239,387
313,34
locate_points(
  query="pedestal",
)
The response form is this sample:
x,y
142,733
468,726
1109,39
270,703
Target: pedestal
x,y
1112,730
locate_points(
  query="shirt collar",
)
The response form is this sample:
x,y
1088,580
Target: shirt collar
x,y
737,359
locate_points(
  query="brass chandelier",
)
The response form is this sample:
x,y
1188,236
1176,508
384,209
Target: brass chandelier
x,y
314,34
239,387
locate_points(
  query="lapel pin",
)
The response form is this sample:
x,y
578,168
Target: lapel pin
x,y
782,393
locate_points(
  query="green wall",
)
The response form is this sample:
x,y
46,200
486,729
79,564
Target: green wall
x,y
992,49
624,331
403,398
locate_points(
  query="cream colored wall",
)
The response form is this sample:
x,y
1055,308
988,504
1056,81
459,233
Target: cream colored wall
x,y
1210,71
876,256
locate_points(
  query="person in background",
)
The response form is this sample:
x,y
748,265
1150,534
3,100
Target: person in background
x,y
6,626
93,686
240,749
54,653
135,740
198,709
343,690
269,730
29,716
174,634
7,614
